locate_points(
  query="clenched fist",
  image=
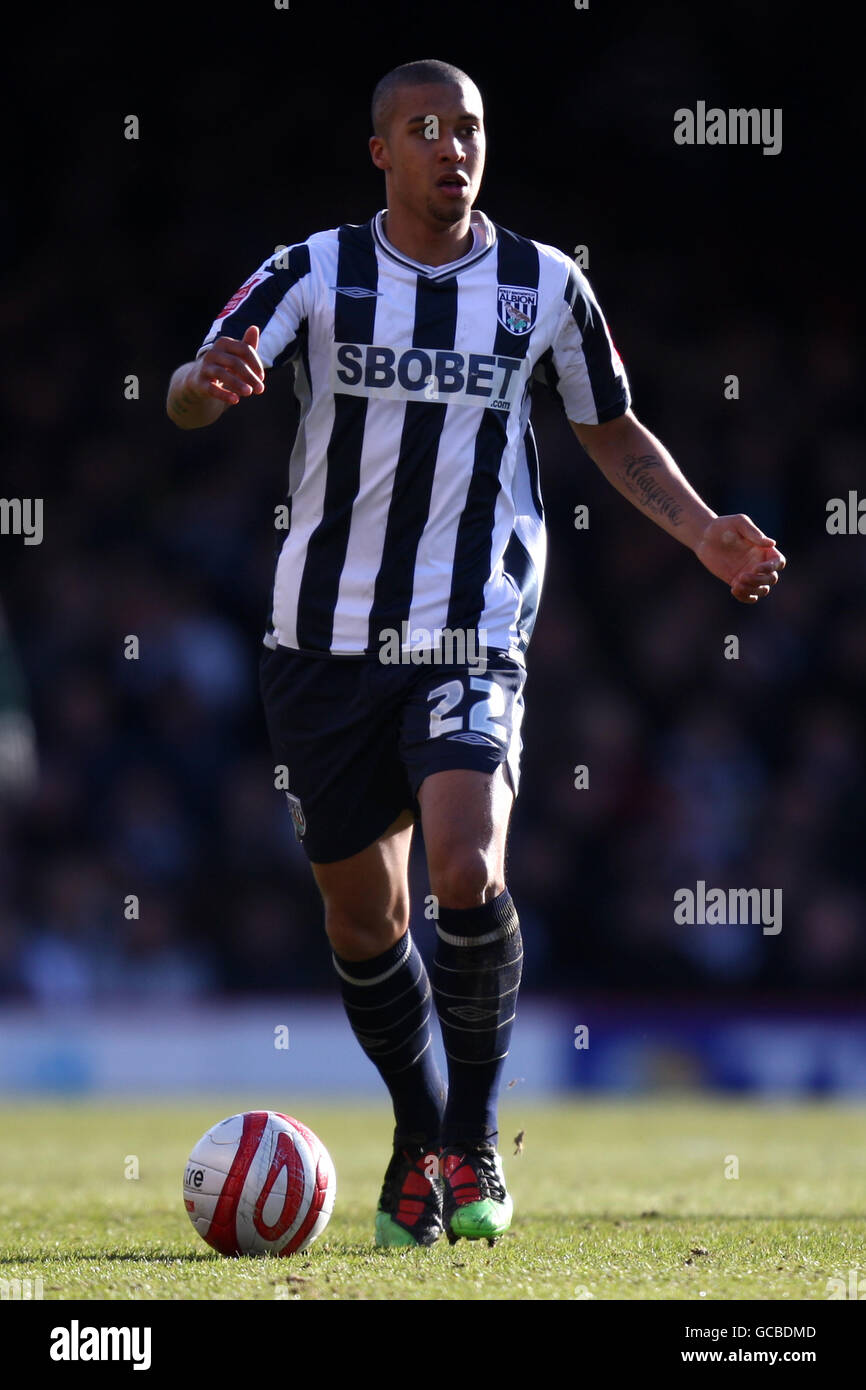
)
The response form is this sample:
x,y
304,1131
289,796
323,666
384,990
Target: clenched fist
x,y
231,368
200,391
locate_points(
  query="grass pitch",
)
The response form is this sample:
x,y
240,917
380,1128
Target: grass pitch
x,y
612,1201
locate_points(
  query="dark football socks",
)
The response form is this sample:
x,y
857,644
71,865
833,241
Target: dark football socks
x,y
476,976
388,1003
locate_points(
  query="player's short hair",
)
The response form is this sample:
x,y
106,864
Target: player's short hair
x,y
410,75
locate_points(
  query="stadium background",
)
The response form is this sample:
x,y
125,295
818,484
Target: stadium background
x,y
155,776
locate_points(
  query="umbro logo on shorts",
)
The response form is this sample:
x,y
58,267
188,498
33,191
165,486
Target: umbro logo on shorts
x,y
471,738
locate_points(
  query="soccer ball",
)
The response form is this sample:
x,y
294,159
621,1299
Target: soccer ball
x,y
259,1184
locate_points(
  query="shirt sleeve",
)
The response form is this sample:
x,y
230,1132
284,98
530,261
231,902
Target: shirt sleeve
x,y
275,299
582,364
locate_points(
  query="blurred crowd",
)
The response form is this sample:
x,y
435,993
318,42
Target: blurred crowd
x,y
147,854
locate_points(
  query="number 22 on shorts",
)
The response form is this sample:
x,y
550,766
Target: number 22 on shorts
x,y
482,714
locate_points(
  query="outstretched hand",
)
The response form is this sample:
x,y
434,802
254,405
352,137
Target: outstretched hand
x,y
734,549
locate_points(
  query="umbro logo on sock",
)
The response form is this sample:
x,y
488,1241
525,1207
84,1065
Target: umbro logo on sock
x,y
470,1013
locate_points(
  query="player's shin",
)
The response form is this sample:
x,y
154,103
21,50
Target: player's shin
x,y
388,1004
476,977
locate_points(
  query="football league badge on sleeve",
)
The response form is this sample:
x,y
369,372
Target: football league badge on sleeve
x,y
517,309
297,810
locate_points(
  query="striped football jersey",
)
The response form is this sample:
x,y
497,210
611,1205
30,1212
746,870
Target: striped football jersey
x,y
414,501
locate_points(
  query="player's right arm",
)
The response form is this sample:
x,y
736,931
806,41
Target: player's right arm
x,y
200,391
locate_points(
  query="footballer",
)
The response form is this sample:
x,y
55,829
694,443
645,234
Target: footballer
x,y
406,591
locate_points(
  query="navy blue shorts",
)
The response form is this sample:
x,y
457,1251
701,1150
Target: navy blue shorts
x,y
358,737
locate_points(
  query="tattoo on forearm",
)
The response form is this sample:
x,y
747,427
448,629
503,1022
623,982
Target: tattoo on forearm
x,y
641,482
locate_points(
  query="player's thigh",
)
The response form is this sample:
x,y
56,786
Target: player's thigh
x,y
464,816
334,731
366,896
461,745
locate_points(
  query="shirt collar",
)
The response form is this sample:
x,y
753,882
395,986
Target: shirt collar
x,y
484,237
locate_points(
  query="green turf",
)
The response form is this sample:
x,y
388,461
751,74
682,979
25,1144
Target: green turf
x,y
612,1201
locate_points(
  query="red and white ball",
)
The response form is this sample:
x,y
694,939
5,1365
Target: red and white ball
x,y
259,1184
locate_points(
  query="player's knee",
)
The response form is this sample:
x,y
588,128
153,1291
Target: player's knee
x,y
356,932
464,878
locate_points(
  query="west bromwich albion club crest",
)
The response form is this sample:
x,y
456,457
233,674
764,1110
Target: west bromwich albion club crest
x,y
517,308
297,810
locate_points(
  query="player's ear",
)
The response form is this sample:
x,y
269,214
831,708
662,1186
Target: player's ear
x,y
378,152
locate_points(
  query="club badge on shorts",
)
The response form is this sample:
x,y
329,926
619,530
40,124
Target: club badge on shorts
x,y
517,308
297,810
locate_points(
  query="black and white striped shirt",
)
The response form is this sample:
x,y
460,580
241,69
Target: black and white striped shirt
x,y
414,495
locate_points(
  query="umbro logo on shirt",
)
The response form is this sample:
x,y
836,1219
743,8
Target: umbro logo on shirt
x,y
357,291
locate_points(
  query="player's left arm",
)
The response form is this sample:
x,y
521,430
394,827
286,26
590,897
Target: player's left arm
x,y
639,466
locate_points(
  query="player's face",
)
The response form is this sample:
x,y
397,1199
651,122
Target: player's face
x,y
434,151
